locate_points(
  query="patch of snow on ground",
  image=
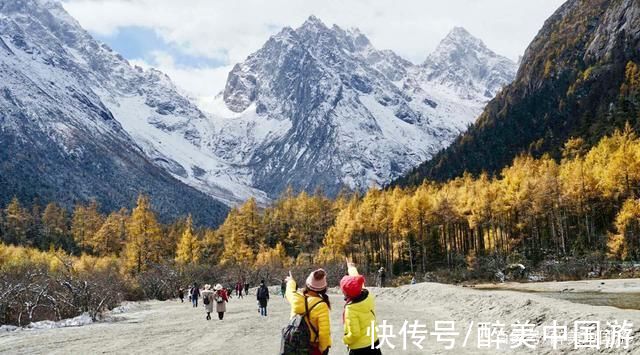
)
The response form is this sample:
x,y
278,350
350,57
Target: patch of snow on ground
x,y
78,321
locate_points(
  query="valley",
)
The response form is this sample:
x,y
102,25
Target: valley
x,y
171,326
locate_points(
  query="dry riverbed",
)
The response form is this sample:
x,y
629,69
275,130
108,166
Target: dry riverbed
x,y
172,327
607,285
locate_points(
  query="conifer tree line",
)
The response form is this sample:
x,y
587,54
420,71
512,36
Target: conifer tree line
x,y
586,203
535,209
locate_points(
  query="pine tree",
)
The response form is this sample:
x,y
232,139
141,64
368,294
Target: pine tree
x,y
188,250
144,237
627,223
16,223
55,227
275,258
85,223
172,235
111,236
237,252
212,246
34,231
248,224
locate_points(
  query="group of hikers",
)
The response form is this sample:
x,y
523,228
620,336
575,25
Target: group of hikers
x,y
310,325
217,295
309,329
220,295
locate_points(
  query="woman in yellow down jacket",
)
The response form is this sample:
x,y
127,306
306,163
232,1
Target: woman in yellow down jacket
x,y
359,314
315,293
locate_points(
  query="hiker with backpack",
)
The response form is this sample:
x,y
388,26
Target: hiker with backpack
x,y
309,330
359,314
207,300
262,295
221,298
195,293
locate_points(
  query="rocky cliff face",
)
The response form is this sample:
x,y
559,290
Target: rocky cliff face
x,y
64,115
315,107
465,64
323,108
578,78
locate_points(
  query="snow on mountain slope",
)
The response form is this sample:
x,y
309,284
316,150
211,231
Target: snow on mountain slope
x,y
60,141
315,107
169,128
464,64
346,114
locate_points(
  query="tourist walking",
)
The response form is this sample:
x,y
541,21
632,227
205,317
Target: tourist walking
x,y
239,289
263,298
181,294
381,276
195,294
221,298
207,300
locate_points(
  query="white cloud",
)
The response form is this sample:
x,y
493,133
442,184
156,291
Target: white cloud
x,y
228,31
202,83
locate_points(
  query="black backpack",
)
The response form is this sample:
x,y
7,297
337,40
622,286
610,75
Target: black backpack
x,y
296,336
262,293
206,300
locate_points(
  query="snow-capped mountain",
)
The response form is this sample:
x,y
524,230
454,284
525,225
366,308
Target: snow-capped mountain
x,y
464,64
321,107
315,107
78,122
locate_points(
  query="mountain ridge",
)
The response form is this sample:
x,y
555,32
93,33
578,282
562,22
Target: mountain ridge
x,y
317,107
79,150
570,84
314,77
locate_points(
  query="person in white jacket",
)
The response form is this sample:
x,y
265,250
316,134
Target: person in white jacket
x,y
207,299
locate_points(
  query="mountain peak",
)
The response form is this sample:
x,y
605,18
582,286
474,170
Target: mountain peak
x,y
63,109
459,31
537,113
313,22
459,37
465,64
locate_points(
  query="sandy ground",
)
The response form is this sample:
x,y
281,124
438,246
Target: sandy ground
x,y
609,286
172,327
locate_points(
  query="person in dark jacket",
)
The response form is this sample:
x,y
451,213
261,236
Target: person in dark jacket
x,y
283,287
246,288
181,294
195,294
239,289
263,297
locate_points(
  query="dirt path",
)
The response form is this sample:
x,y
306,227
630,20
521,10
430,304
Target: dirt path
x,y
171,327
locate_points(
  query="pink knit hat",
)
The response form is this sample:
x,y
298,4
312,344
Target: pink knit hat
x,y
317,280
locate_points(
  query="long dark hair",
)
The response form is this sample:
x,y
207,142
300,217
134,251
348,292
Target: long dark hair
x,y
322,294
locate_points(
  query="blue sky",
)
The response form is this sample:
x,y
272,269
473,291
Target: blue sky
x,y
135,42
